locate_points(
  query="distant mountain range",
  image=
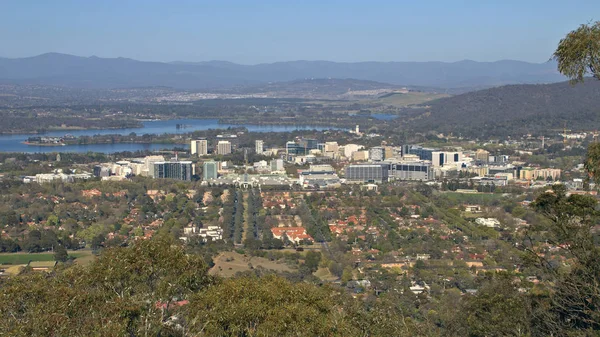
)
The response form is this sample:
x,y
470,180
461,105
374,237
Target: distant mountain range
x,y
512,110
96,72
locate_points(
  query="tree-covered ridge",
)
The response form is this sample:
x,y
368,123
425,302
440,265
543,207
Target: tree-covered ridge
x,y
513,110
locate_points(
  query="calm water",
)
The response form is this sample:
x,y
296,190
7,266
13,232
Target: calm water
x,y
13,143
384,117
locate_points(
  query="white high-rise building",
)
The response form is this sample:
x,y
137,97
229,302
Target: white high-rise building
x,y
441,158
199,147
260,148
224,147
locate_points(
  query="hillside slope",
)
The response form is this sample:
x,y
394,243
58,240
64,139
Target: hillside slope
x,y
513,110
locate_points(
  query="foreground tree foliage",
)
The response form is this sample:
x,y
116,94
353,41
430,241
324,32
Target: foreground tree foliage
x,y
578,54
497,310
116,295
154,288
271,306
574,300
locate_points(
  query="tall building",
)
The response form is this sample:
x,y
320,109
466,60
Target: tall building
x,y
368,173
224,147
180,170
209,170
259,146
439,159
199,147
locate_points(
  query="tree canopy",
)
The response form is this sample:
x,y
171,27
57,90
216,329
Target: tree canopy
x,y
578,53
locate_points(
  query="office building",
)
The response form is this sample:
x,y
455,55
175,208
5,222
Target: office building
x,y
423,152
293,148
180,170
331,147
439,158
349,149
367,173
528,173
498,159
308,144
318,176
149,164
277,165
411,170
360,155
376,153
302,147
137,166
199,147
224,147
259,146
102,171
209,170
480,171
482,155
389,152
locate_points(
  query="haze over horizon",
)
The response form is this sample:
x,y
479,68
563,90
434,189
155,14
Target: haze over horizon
x,y
263,63
241,32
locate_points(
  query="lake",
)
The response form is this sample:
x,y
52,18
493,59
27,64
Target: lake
x,y
13,143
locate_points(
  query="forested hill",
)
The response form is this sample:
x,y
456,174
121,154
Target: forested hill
x,y
513,110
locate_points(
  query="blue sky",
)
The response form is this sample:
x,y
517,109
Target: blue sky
x,y
250,32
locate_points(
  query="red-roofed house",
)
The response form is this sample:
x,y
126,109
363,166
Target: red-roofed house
x,y
294,234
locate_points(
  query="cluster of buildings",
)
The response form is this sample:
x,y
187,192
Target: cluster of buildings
x,y
212,233
412,162
149,166
374,165
57,175
200,147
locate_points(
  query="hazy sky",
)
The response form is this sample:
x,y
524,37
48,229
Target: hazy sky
x,y
253,31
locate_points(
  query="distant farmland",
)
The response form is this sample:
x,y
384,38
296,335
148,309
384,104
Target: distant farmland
x,y
410,98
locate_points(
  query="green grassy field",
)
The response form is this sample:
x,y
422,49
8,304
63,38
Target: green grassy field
x,y
24,258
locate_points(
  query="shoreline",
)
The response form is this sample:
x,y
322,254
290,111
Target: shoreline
x,y
43,144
